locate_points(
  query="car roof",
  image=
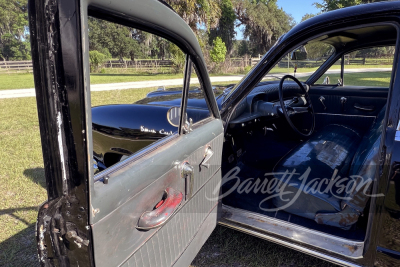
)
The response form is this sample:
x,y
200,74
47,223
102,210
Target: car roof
x,y
364,10
158,16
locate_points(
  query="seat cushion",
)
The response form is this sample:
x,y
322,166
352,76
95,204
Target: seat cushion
x,y
309,174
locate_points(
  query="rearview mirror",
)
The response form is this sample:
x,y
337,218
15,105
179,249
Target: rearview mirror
x,y
299,54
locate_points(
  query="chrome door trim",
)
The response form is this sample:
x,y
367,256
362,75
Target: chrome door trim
x,y
272,229
345,115
136,156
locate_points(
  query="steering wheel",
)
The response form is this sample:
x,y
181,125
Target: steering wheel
x,y
288,111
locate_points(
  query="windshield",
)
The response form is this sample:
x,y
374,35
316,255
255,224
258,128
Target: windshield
x,y
261,60
300,62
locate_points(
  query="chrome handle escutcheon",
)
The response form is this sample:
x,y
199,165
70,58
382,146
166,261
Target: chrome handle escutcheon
x,y
187,173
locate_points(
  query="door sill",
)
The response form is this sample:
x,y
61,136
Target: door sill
x,y
293,236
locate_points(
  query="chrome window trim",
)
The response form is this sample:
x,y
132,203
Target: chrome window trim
x,y
345,115
136,156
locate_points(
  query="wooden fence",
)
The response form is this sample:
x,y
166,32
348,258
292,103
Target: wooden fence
x,y
16,66
142,65
157,65
149,65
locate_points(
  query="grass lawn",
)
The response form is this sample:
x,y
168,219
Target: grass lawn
x,y
361,79
25,80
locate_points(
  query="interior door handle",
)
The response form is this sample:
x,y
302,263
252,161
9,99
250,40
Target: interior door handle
x,y
322,99
364,108
162,212
209,153
343,101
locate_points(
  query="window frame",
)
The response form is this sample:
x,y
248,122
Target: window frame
x,y
102,14
340,55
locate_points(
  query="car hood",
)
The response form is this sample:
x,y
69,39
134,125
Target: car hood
x,y
172,97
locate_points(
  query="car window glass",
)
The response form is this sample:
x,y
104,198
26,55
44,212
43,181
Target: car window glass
x,y
363,67
360,64
135,78
332,75
302,61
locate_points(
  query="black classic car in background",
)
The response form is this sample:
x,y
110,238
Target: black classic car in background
x,y
116,135
307,163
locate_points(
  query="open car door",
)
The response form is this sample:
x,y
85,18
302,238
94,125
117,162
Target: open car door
x,y
158,206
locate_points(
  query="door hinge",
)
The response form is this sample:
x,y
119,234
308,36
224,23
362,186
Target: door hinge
x,y
72,236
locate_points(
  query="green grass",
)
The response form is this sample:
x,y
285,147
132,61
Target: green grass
x,y
227,248
334,67
361,79
21,180
16,81
25,80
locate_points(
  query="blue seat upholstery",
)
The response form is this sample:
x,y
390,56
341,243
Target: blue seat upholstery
x,y
333,172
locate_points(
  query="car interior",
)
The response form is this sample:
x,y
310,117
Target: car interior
x,y
305,152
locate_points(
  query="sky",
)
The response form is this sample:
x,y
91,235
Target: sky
x,y
296,8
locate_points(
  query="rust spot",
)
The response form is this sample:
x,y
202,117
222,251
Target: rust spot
x,y
261,221
349,219
352,249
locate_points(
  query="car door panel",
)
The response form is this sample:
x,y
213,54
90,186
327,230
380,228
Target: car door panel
x,y
351,112
139,186
167,244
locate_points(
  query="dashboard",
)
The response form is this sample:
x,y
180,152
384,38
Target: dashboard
x,y
263,101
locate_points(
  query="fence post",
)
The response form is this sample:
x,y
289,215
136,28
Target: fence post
x,y
5,64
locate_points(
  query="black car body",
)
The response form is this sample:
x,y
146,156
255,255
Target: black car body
x,y
111,122
152,198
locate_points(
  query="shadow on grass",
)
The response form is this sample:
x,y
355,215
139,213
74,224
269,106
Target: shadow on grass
x,y
227,247
20,249
36,175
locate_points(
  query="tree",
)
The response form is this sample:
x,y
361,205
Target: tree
x,y
243,48
264,22
14,37
218,52
226,25
316,50
96,59
308,16
197,12
119,40
177,57
328,5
